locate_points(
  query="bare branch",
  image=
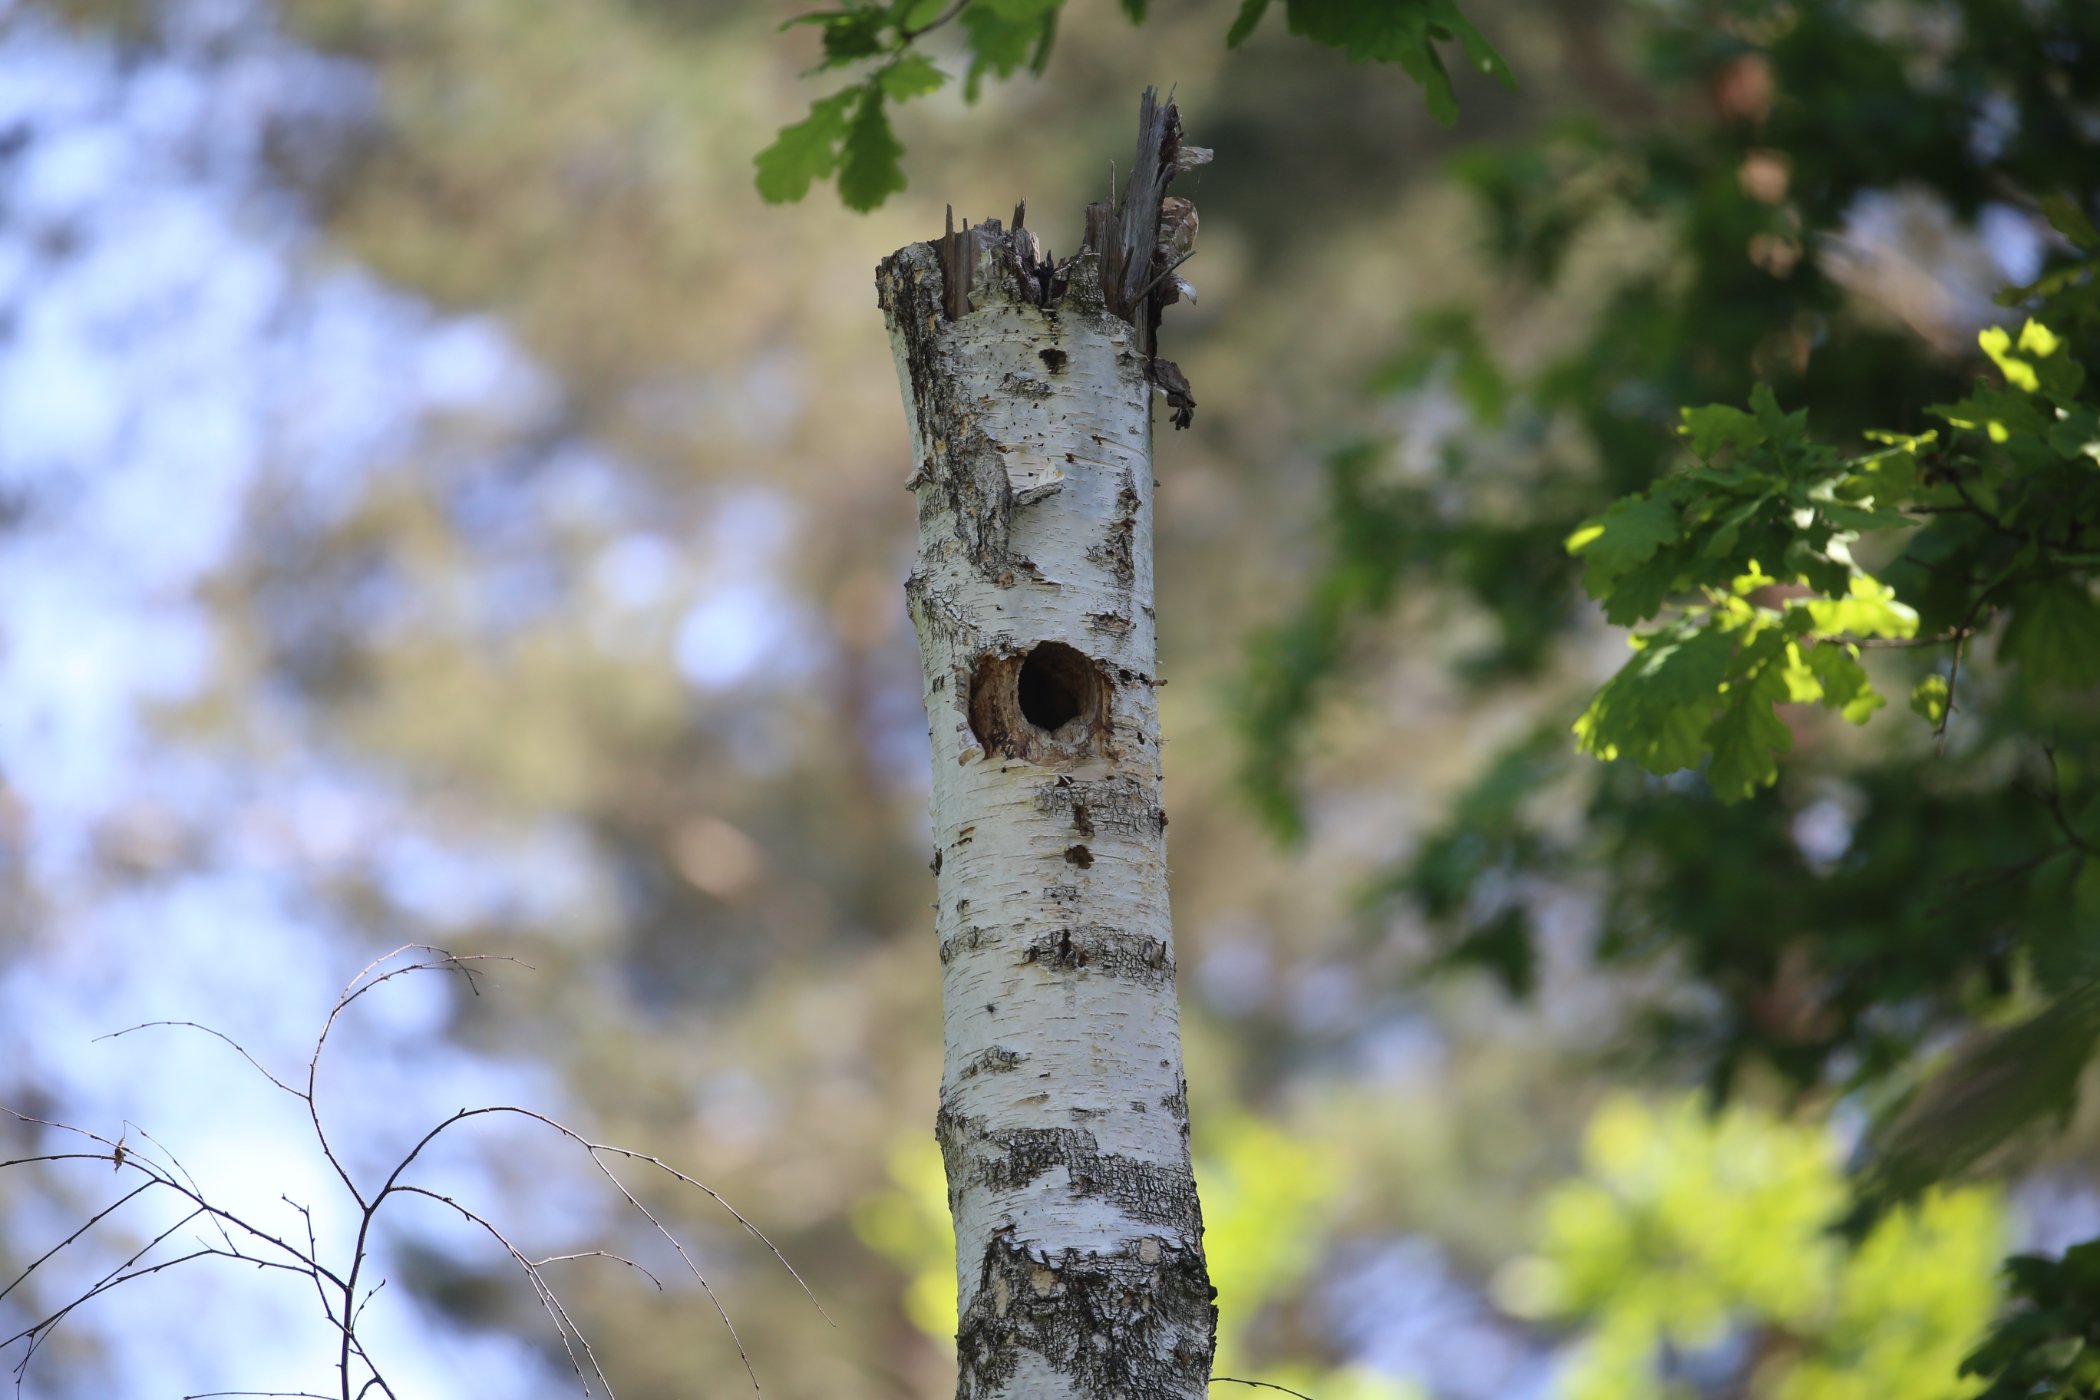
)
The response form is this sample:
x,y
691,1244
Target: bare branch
x,y
601,1254
343,1302
215,1035
564,1326
370,1294
92,1221
1259,1385
196,1191
357,987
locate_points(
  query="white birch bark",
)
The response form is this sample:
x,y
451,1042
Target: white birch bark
x,y
1064,1116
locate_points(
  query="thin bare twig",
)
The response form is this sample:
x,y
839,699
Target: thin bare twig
x,y
1259,1385
600,1254
215,1035
92,1221
343,1301
564,1326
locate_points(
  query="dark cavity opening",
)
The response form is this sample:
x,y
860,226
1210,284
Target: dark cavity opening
x,y
1055,359
1049,704
1055,684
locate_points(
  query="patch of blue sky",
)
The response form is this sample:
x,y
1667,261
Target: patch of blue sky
x,y
2013,238
470,364
179,349
745,627
636,571
735,635
1400,1307
74,669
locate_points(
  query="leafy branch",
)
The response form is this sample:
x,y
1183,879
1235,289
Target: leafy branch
x,y
848,135
1997,517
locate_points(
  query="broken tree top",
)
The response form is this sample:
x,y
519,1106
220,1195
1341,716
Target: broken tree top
x,y
1141,239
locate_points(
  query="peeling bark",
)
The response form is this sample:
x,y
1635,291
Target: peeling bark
x,y
1064,1115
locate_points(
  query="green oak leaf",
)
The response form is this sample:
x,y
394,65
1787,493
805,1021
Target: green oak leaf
x,y
1022,12
1843,681
869,161
2076,434
806,151
998,45
1719,425
1780,429
1999,414
1623,537
911,76
2034,364
1405,32
851,35
1447,22
1243,26
1748,738
2054,633
2068,219
1869,609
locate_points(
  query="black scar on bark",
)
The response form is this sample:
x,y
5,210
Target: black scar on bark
x,y
1115,1324
1104,951
1120,804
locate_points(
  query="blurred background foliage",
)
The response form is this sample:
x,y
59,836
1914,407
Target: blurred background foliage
x,y
440,501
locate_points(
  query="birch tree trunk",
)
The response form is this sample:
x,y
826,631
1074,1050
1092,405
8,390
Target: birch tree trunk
x,y
1064,1116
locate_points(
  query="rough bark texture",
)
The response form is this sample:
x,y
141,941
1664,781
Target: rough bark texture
x,y
1064,1118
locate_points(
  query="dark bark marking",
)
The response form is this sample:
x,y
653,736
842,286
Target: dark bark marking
x,y
968,941
1138,1323
1027,386
937,613
1007,1159
1074,855
996,1060
1116,804
1103,951
1117,550
1114,624
970,479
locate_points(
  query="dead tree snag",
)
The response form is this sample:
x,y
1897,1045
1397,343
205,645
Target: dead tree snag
x,y
1064,1123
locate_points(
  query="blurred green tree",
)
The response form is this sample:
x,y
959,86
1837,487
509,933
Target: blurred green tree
x,y
1803,183
1694,1237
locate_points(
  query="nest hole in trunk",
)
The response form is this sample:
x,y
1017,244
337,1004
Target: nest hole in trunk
x,y
1048,704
